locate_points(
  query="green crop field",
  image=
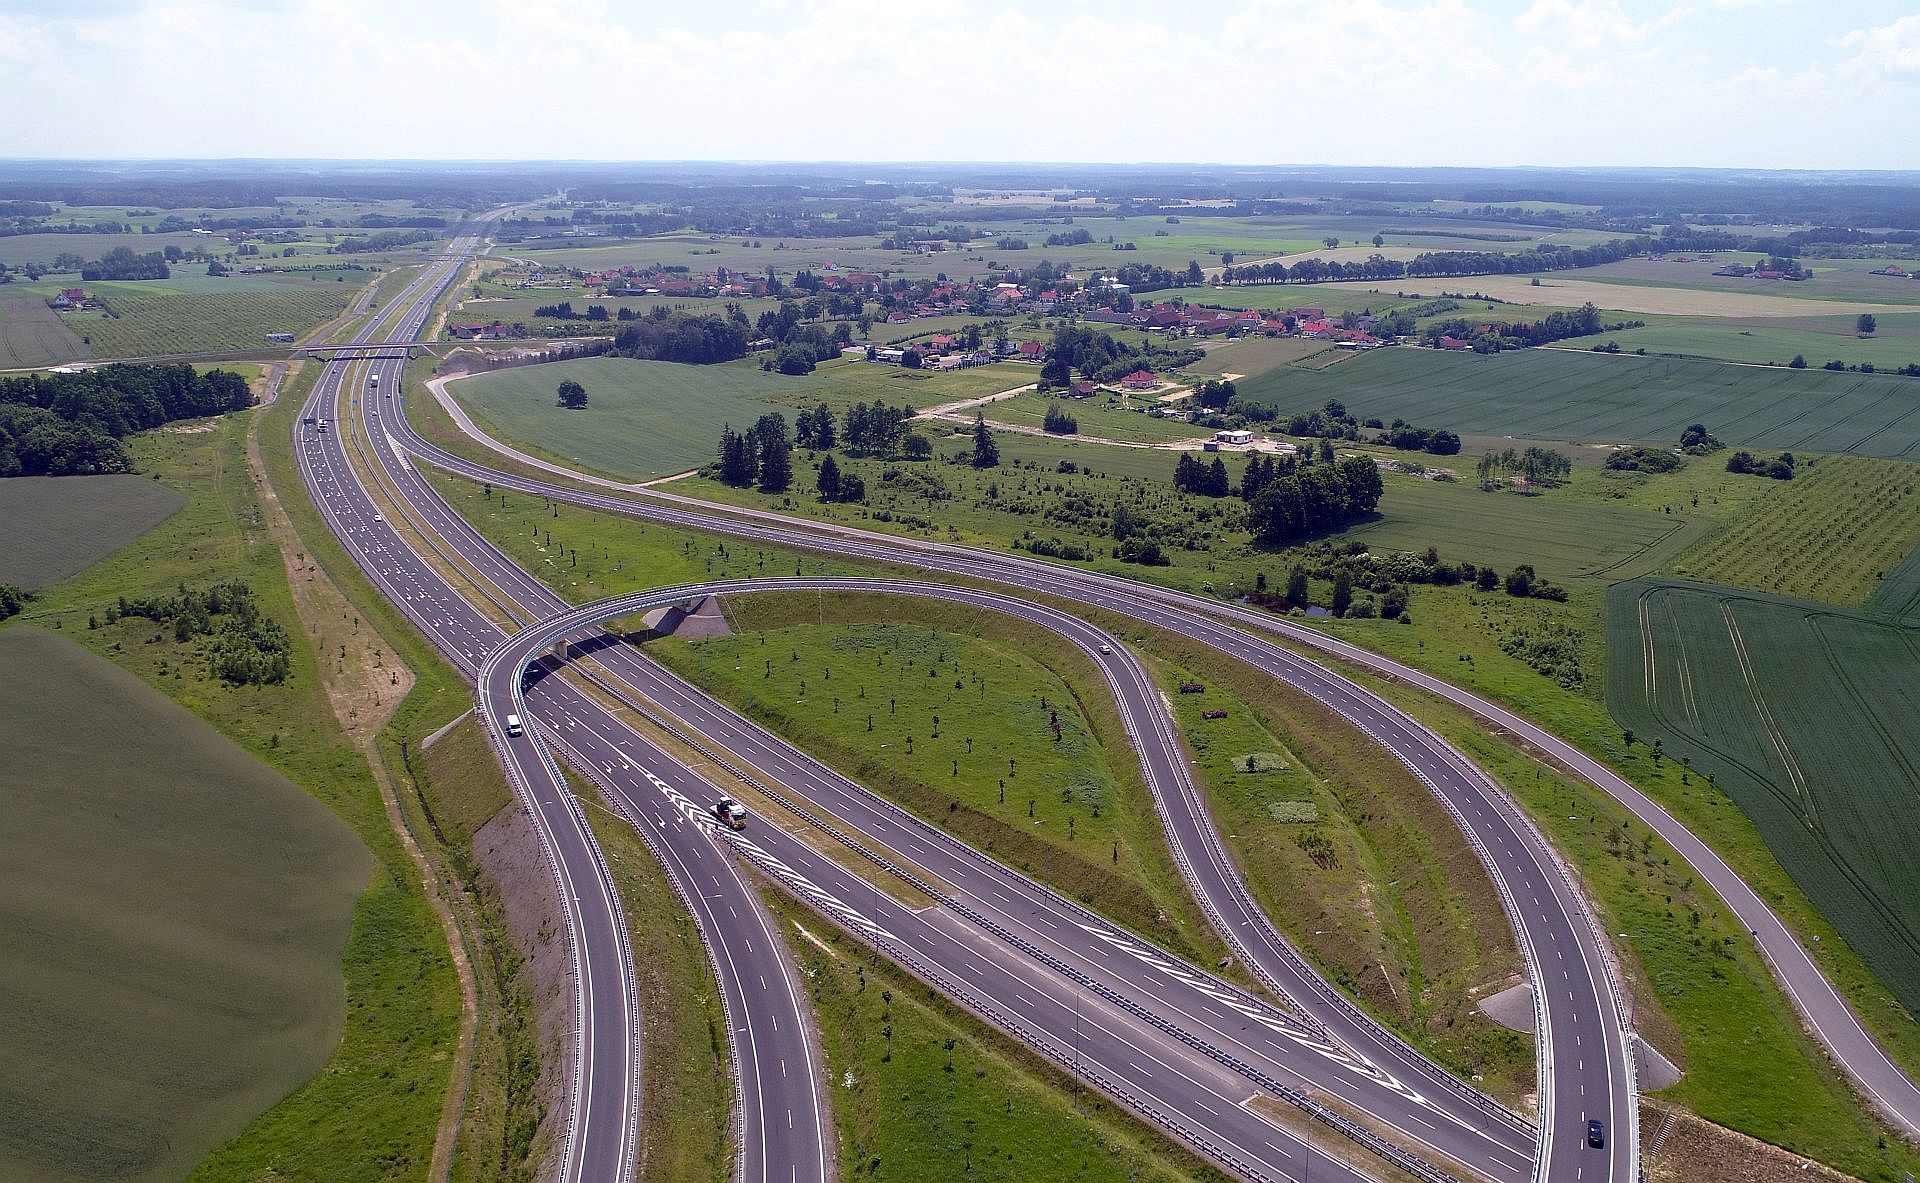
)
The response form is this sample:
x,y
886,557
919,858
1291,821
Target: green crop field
x,y
1830,534
174,917
650,419
1564,537
1559,395
1249,356
51,527
32,334
1773,340
147,325
1803,716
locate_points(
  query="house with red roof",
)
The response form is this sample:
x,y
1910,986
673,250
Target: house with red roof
x,y
1033,351
1455,343
1140,380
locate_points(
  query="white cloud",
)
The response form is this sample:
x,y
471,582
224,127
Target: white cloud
x,y
1259,81
1889,52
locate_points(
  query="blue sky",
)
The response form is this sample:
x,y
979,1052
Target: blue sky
x,y
1741,83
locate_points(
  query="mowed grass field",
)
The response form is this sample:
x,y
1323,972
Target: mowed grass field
x,y
647,419
1248,356
1563,537
1833,533
173,913
32,334
1583,397
643,419
1803,717
1096,417
51,527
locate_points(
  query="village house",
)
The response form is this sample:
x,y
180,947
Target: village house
x,y
1239,437
1034,351
70,298
1140,380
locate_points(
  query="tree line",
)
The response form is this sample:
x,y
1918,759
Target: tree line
x,y
72,424
690,338
122,263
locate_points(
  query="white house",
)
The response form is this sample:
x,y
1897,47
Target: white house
x,y
1237,436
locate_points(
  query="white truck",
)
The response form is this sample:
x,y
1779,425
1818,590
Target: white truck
x,y
513,725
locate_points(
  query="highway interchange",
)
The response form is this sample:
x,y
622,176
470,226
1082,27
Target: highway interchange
x,y
1182,1047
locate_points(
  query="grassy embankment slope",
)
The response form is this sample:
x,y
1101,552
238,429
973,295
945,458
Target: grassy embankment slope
x,y
1620,399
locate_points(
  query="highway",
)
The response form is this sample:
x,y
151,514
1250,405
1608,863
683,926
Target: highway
x,y
1586,1066
1102,1035
782,1123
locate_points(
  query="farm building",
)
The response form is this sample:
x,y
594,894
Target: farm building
x,y
1239,436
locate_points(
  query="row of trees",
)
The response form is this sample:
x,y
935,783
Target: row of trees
x,y
1534,466
1435,264
1206,480
1780,467
122,263
72,424
1408,438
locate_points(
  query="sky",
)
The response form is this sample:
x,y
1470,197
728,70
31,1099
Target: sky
x,y
1823,84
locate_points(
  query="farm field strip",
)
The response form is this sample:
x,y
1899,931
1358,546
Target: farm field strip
x,y
52,527
1557,288
1801,715
32,335
1619,399
149,325
174,921
1830,534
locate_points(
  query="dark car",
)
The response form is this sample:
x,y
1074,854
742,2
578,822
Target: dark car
x,y
1597,1134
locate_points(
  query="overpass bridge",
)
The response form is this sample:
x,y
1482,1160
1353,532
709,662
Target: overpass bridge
x,y
363,350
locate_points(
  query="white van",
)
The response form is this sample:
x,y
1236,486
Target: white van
x,y
513,725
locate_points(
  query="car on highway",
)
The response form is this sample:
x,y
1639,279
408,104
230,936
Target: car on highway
x,y
730,813
1597,1134
1105,648
513,725
379,518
